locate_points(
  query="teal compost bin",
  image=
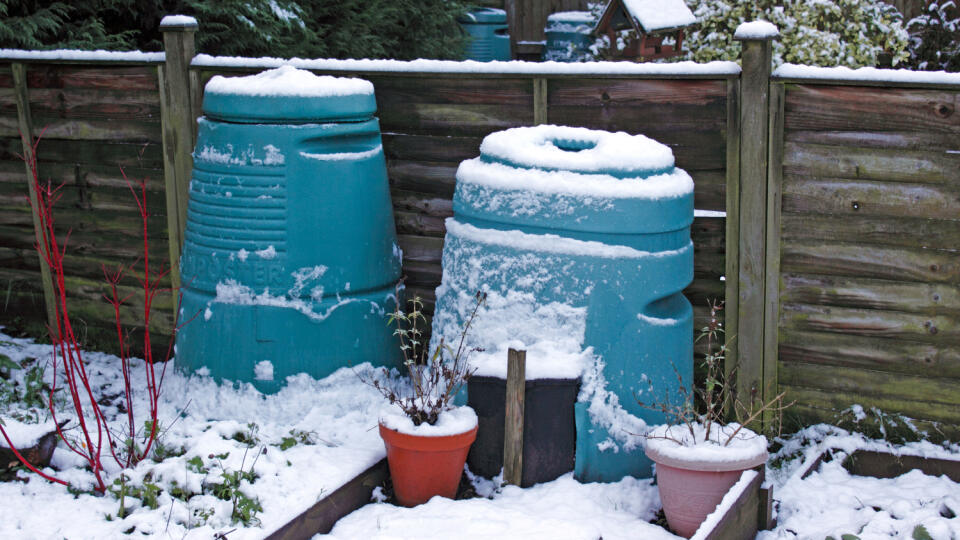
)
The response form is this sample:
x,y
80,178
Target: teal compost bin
x,y
581,240
488,33
290,257
569,36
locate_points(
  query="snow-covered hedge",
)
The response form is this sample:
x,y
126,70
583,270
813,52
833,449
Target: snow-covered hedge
x,y
850,33
935,37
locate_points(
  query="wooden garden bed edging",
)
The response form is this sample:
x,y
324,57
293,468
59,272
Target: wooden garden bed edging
x,y
888,465
321,517
750,512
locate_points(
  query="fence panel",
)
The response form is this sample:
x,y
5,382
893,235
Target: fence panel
x,y
870,275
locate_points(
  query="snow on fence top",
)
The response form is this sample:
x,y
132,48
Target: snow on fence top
x,y
756,30
710,69
866,74
660,14
86,56
178,20
289,81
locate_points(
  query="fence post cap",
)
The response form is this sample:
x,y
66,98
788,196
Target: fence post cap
x,y
178,23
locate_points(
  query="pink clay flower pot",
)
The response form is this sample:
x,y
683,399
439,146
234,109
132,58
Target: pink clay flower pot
x,y
691,489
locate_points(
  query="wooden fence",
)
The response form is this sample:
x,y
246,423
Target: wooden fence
x,y
844,286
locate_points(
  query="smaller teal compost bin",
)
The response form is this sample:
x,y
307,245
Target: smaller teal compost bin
x,y
581,239
569,36
487,31
290,257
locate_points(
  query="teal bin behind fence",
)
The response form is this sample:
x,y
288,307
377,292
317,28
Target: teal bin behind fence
x,y
488,34
562,223
569,35
290,258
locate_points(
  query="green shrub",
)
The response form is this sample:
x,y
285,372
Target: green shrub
x,y
935,38
852,33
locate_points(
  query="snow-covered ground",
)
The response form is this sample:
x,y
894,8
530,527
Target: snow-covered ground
x,y
302,443
315,435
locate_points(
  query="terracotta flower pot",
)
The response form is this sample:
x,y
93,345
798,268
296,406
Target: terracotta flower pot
x,y
691,489
424,466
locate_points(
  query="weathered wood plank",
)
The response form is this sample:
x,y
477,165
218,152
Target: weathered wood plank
x,y
828,107
865,293
887,465
771,310
831,402
95,104
892,165
871,353
901,140
97,130
805,414
922,392
422,203
870,198
453,119
513,417
939,329
754,159
432,148
98,76
741,519
104,177
393,92
434,179
593,92
146,155
324,514
732,233
885,231
879,262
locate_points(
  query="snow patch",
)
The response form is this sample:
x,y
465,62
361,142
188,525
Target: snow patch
x,y
794,71
709,69
660,14
267,253
263,371
344,156
24,435
177,20
676,442
756,30
91,56
451,422
476,171
551,243
288,81
577,149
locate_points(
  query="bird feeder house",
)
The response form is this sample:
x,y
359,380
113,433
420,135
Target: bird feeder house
x,y
659,27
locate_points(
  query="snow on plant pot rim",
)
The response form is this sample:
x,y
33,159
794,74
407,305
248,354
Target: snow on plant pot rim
x,y
675,446
453,421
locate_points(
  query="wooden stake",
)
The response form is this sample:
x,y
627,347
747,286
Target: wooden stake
x,y
25,124
513,422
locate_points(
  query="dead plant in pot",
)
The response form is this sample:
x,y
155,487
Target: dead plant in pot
x,y
699,455
426,436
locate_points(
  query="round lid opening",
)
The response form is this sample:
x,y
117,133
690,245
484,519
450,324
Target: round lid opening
x,y
580,150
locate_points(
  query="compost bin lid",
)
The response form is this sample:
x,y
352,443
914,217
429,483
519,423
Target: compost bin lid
x,y
288,95
484,16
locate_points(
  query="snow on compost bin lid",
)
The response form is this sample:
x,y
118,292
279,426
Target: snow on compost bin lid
x,y
288,95
574,179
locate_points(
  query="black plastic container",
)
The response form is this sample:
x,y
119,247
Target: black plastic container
x,y
549,428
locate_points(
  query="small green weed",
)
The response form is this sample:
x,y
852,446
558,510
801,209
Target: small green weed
x,y
296,437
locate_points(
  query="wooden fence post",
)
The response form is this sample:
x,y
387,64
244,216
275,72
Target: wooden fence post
x,y
539,101
177,117
752,209
25,125
513,421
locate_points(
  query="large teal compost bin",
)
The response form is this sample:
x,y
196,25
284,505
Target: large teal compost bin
x,y
488,34
569,35
581,239
290,257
